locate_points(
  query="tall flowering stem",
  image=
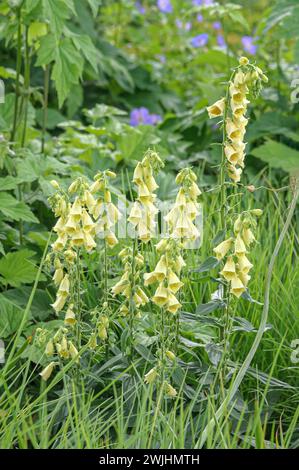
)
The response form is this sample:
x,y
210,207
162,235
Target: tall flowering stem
x,y
246,81
182,229
81,217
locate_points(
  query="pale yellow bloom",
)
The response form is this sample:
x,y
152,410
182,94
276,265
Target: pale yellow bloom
x,y
237,287
46,373
222,249
240,247
174,283
170,391
172,303
49,348
70,317
161,296
216,109
151,376
73,351
229,270
244,264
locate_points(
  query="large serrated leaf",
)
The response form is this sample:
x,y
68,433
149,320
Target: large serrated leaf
x,y
278,155
18,268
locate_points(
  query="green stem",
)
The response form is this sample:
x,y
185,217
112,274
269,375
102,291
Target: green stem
x,y
132,308
18,70
26,87
45,105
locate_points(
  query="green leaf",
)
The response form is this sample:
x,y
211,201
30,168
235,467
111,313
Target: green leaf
x,y
207,265
18,268
94,6
67,69
14,209
47,51
204,309
57,12
10,317
9,182
40,307
278,155
85,45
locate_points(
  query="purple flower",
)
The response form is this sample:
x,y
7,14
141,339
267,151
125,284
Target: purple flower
x,y
197,3
161,58
199,18
140,8
164,6
248,44
187,26
217,25
220,40
206,3
143,116
200,40
179,23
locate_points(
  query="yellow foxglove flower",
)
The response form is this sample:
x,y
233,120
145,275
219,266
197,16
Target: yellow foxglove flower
x,y
64,287
237,287
58,276
161,296
60,225
102,332
170,391
171,356
151,376
179,264
59,303
248,236
216,109
244,277
222,249
119,287
63,350
229,270
135,214
234,173
76,209
240,247
124,310
173,304
149,278
235,132
244,264
111,239
72,225
78,238
174,283
89,200
138,174
46,373
73,352
92,343
49,348
87,222
231,153
142,295
161,269
89,242
70,317
59,244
